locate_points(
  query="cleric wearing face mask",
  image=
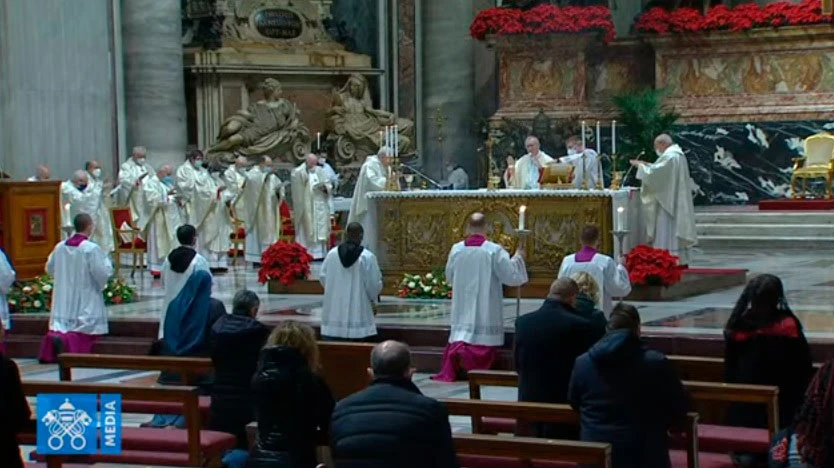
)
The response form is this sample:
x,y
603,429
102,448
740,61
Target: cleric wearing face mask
x,y
585,162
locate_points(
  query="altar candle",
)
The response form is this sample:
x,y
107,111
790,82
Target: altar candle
x,y
583,135
599,147
67,213
620,219
396,134
522,214
387,137
613,137
318,141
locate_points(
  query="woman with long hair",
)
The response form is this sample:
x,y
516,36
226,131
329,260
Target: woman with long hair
x,y
292,403
764,345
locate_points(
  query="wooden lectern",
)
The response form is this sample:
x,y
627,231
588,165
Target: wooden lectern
x,y
30,223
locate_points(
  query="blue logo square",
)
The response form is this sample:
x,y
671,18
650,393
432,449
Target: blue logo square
x,y
66,424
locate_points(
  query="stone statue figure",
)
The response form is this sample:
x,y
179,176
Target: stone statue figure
x,y
355,125
269,127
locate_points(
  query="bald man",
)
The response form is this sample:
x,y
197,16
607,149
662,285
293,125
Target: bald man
x,y
160,217
262,194
547,342
477,270
529,168
41,173
311,195
666,193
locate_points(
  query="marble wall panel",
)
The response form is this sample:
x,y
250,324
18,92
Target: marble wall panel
x,y
407,94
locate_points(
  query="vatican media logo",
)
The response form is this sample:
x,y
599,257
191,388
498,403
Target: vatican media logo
x,y
71,424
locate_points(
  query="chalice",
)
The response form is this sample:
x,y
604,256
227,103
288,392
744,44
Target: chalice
x,y
409,178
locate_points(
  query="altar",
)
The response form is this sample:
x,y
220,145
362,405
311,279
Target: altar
x,y
412,232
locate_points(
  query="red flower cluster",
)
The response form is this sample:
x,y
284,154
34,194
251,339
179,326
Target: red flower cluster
x,y
723,18
543,19
652,267
285,262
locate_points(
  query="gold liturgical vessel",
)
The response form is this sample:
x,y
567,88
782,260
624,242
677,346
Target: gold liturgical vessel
x,y
557,176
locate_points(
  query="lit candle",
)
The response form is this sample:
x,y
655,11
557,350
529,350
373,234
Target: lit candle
x,y
599,147
67,214
620,219
318,140
583,135
613,137
522,215
387,136
381,138
396,141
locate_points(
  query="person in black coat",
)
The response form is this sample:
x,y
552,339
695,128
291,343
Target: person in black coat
x,y
292,403
627,395
235,342
15,411
547,342
390,423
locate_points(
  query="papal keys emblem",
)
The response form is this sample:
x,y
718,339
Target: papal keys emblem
x,y
67,422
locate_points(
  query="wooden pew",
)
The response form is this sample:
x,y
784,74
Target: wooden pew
x,y
523,449
712,437
705,369
189,447
344,366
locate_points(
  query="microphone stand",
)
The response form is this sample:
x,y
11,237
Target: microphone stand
x,y
422,176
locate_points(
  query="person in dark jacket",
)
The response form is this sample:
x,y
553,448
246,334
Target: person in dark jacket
x,y
626,395
390,423
547,342
292,403
15,411
235,343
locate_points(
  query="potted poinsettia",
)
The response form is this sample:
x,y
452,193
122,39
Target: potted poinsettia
x,y
651,270
283,264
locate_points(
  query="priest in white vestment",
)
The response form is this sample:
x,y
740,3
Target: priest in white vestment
x,y
103,225
41,173
666,194
585,162
7,279
477,270
529,168
161,217
352,282
372,177
178,267
331,176
189,176
263,195
78,196
80,270
215,226
610,275
234,178
311,194
131,175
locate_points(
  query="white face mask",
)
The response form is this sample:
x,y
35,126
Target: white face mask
x,y
97,173
658,152
571,151
140,161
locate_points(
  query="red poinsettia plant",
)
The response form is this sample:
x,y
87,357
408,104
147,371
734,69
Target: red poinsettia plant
x,y
543,19
723,18
285,262
648,266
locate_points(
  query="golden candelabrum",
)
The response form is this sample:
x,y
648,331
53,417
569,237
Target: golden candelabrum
x,y
493,179
616,176
392,183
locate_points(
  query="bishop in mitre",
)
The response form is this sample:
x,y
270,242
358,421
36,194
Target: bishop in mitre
x,y
160,218
666,193
262,195
585,162
372,177
529,168
311,194
103,226
477,270
78,196
131,174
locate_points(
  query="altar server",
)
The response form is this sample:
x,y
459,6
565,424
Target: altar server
x,y
103,226
666,194
263,195
131,174
311,194
477,269
372,178
585,162
178,268
161,217
352,282
7,279
610,275
80,270
529,168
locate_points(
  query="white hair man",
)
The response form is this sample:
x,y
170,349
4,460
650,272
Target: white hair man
x,y
372,178
666,193
585,162
160,217
41,173
311,194
262,195
131,174
529,168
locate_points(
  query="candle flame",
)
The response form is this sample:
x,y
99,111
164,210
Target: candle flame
x,y
522,208
620,209
67,206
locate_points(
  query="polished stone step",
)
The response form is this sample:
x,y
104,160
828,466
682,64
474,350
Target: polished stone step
x,y
763,243
764,217
766,230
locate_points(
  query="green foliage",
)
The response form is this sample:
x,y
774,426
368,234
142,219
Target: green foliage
x,y
642,118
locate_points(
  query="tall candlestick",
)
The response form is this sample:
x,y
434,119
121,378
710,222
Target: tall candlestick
x,y
613,137
583,135
387,137
522,215
620,219
318,141
381,138
599,147
396,141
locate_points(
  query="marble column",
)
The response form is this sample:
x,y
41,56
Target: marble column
x,y
154,83
448,84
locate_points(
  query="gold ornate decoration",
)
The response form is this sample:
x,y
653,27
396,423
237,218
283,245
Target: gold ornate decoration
x,y
493,178
817,163
558,176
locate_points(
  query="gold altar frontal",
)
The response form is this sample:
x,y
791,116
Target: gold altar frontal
x,y
415,230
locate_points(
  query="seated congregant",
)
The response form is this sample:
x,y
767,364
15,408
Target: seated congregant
x,y
15,411
547,342
7,279
610,275
391,423
292,402
764,345
80,270
180,264
588,297
352,282
626,395
477,270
